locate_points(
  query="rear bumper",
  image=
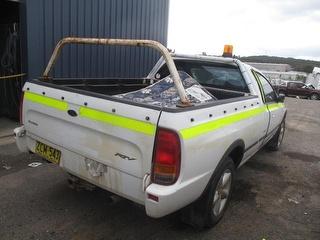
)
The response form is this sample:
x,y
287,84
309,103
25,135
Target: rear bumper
x,y
175,197
113,180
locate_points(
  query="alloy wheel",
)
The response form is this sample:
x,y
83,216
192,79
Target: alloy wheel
x,y
222,192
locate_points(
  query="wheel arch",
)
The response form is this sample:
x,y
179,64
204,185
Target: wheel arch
x,y
193,209
236,152
236,149
314,93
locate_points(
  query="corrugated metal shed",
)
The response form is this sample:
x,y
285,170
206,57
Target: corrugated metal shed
x,y
47,21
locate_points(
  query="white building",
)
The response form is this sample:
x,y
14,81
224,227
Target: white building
x,y
278,73
277,77
314,78
272,67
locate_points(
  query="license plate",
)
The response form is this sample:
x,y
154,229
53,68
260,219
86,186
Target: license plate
x,y
49,153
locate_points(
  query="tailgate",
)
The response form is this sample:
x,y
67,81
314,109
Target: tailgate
x,y
116,134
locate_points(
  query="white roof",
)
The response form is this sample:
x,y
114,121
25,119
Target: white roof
x,y
204,57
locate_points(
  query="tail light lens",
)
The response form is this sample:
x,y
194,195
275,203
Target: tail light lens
x,y
21,108
166,158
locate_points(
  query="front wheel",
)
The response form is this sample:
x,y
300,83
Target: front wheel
x,y
275,142
314,96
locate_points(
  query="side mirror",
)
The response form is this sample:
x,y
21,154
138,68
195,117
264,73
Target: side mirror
x,y
281,97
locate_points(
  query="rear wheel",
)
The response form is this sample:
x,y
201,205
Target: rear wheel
x,y
208,211
276,141
314,96
221,195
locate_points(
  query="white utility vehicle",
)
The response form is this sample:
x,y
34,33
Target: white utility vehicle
x,y
170,141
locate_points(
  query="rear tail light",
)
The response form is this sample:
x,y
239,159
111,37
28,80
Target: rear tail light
x,y
21,107
166,158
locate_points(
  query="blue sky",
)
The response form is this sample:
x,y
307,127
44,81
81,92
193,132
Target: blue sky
x,y
288,28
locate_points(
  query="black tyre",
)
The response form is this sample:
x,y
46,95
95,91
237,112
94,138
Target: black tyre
x,y
209,209
314,96
275,142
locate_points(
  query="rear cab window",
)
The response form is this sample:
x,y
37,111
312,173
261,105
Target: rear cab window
x,y
210,74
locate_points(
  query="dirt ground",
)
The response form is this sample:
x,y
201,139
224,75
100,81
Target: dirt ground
x,y
277,196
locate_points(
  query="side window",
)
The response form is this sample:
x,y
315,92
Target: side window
x,y
291,85
270,95
299,85
296,85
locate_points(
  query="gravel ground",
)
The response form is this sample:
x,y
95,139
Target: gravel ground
x,y
277,196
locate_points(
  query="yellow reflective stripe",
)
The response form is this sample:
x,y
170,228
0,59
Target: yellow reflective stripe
x,y
275,106
118,121
198,130
47,101
195,131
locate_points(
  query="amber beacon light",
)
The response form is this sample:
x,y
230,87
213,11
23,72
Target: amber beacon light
x,y
227,51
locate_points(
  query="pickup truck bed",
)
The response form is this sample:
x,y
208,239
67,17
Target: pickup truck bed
x,y
114,86
105,86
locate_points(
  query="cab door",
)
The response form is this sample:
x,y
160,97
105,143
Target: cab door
x,y
304,90
298,90
275,108
292,89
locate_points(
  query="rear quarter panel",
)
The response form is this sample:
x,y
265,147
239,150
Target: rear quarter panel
x,y
202,149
